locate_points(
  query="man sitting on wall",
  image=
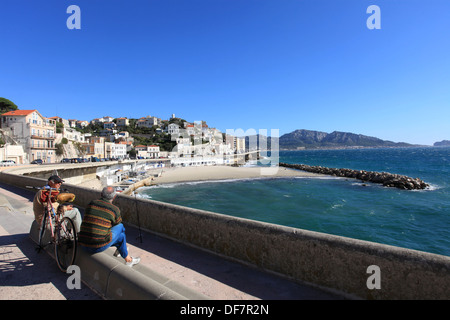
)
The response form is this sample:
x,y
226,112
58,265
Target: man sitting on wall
x,y
102,227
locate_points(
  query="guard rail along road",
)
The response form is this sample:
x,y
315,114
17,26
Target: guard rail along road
x,y
359,269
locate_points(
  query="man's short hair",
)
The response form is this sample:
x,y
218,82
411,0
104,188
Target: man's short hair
x,y
109,193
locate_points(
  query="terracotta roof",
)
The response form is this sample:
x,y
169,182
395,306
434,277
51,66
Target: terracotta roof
x,y
18,112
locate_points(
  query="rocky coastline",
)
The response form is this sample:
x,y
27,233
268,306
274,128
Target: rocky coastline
x,y
385,178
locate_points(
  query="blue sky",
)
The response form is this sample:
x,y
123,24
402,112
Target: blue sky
x,y
237,64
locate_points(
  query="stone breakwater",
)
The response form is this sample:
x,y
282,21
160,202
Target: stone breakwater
x,y
385,178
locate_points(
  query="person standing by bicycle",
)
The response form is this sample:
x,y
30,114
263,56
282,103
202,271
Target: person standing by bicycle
x,y
102,227
54,182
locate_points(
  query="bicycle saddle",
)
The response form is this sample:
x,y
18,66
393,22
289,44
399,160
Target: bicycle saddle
x,y
65,197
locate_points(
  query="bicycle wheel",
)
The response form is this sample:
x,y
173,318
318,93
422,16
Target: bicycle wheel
x,y
65,243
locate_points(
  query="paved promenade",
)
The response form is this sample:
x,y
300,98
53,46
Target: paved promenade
x,y
25,274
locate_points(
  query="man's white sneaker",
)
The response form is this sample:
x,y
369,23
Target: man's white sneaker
x,y
133,261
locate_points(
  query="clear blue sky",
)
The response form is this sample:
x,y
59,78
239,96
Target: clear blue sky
x,y
249,64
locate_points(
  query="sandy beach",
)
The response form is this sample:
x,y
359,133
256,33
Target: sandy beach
x,y
175,175
203,173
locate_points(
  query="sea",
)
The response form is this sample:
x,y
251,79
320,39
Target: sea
x,y
346,207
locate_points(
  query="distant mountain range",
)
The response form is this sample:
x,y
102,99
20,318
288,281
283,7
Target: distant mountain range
x,y
309,139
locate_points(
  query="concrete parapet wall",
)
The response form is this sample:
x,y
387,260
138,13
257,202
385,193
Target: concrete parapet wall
x,y
333,262
113,280
329,261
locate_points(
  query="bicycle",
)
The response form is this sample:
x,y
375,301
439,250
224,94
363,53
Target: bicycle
x,y
63,232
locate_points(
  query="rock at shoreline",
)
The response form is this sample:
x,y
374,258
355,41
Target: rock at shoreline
x,y
385,178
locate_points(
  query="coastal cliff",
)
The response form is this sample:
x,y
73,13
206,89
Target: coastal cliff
x,y
385,178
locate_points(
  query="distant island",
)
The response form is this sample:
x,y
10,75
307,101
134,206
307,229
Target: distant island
x,y
309,139
443,143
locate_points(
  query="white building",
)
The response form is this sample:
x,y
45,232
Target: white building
x,y
173,128
190,129
122,122
13,152
115,150
65,122
148,122
73,135
82,123
34,132
72,123
107,119
151,151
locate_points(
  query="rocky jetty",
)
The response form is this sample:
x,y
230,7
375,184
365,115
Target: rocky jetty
x,y
385,178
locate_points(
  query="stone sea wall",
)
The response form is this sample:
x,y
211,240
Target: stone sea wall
x,y
385,178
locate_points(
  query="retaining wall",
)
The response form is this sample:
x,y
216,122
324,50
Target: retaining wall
x,y
329,261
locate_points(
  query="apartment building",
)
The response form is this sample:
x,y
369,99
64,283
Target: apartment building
x,y
33,131
65,122
122,122
95,147
151,151
115,150
102,120
109,125
73,135
173,128
235,143
148,122
81,123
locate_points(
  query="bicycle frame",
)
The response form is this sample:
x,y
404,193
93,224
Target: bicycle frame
x,y
49,213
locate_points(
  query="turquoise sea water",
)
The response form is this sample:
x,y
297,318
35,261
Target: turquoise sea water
x,y
412,219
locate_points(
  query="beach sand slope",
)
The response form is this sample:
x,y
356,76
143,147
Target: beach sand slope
x,y
211,173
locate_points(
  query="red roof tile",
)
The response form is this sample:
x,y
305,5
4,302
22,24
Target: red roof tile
x,y
18,112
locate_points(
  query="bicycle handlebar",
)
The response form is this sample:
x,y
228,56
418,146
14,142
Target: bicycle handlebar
x,y
46,188
41,188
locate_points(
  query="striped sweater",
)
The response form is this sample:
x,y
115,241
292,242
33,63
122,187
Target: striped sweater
x,y
100,216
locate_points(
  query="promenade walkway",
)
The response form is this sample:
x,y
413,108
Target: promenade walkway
x,y
25,274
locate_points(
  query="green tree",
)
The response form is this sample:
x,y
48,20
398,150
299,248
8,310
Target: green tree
x,y
6,105
59,149
132,153
92,128
59,127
